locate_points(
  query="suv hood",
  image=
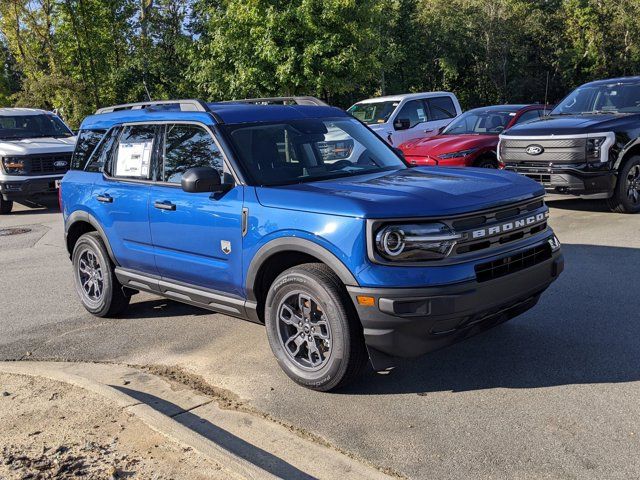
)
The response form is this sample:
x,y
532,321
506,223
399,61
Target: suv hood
x,y
440,144
412,192
573,124
30,146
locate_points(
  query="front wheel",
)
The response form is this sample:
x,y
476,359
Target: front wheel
x,y
98,288
313,329
5,206
487,163
626,196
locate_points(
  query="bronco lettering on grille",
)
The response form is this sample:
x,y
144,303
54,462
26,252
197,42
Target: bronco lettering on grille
x,y
508,226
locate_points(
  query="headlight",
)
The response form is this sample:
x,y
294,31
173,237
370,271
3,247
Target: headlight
x,y
593,148
415,242
461,153
14,166
335,150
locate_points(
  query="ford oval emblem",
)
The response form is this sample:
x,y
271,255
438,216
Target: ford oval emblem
x,y
534,149
60,163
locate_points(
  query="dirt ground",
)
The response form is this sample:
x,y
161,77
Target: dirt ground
x,y
53,430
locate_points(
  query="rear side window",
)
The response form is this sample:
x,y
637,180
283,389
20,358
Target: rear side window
x,y
87,142
414,112
188,146
132,156
441,108
529,116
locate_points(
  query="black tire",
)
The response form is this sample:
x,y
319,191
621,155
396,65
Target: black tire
x,y
626,196
345,353
486,162
5,206
91,263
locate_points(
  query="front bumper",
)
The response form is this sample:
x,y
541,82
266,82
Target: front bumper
x,y
569,179
25,188
412,322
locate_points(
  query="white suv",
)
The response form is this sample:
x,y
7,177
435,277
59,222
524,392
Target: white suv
x,y
35,151
400,118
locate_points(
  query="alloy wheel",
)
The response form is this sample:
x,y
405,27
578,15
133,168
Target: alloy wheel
x,y
91,276
304,332
633,184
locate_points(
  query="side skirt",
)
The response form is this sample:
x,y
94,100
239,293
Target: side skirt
x,y
213,300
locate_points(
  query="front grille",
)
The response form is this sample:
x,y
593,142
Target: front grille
x,y
571,150
513,263
499,217
44,164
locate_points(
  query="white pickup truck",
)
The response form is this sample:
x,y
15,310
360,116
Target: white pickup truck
x,y
35,151
400,118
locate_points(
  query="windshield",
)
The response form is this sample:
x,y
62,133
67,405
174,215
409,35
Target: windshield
x,y
16,127
479,122
610,98
296,151
372,113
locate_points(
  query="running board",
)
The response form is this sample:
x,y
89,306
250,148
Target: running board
x,y
209,299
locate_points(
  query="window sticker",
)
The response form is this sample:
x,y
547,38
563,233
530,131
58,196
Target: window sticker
x,y
134,159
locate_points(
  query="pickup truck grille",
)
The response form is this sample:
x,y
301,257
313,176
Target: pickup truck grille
x,y
498,227
46,164
572,150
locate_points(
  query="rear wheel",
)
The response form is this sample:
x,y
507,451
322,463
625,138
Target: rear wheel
x,y
312,328
96,284
626,196
5,206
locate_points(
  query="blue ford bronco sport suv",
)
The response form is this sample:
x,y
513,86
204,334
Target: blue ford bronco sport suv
x,y
253,211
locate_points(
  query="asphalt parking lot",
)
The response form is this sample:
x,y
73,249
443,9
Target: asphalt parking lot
x,y
551,394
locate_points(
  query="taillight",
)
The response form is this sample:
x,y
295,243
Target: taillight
x,y
60,196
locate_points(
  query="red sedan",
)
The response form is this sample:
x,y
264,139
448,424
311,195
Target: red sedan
x,y
470,139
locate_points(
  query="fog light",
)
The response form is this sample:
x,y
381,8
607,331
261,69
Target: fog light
x,y
554,243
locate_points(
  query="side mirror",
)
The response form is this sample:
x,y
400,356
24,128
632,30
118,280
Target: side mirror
x,y
402,124
202,180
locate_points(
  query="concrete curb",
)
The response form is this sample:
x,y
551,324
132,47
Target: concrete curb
x,y
245,445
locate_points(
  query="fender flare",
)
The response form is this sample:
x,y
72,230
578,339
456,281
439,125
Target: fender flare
x,y
295,244
83,216
623,153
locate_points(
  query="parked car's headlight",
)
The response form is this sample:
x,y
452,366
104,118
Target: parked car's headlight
x,y
593,147
335,150
461,153
415,242
14,166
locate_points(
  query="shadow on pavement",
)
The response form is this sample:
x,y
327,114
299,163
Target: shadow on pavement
x,y
255,455
578,204
584,330
44,205
161,308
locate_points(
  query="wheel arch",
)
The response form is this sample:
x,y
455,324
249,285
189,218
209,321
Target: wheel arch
x,y
281,254
625,154
79,223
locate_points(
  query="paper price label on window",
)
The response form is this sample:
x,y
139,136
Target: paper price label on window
x,y
134,159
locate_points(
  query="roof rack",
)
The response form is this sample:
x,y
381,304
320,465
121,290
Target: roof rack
x,y
185,106
303,100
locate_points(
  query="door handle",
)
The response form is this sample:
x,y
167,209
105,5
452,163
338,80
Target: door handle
x,y
106,198
166,205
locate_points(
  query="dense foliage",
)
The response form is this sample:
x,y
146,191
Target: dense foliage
x,y
76,55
